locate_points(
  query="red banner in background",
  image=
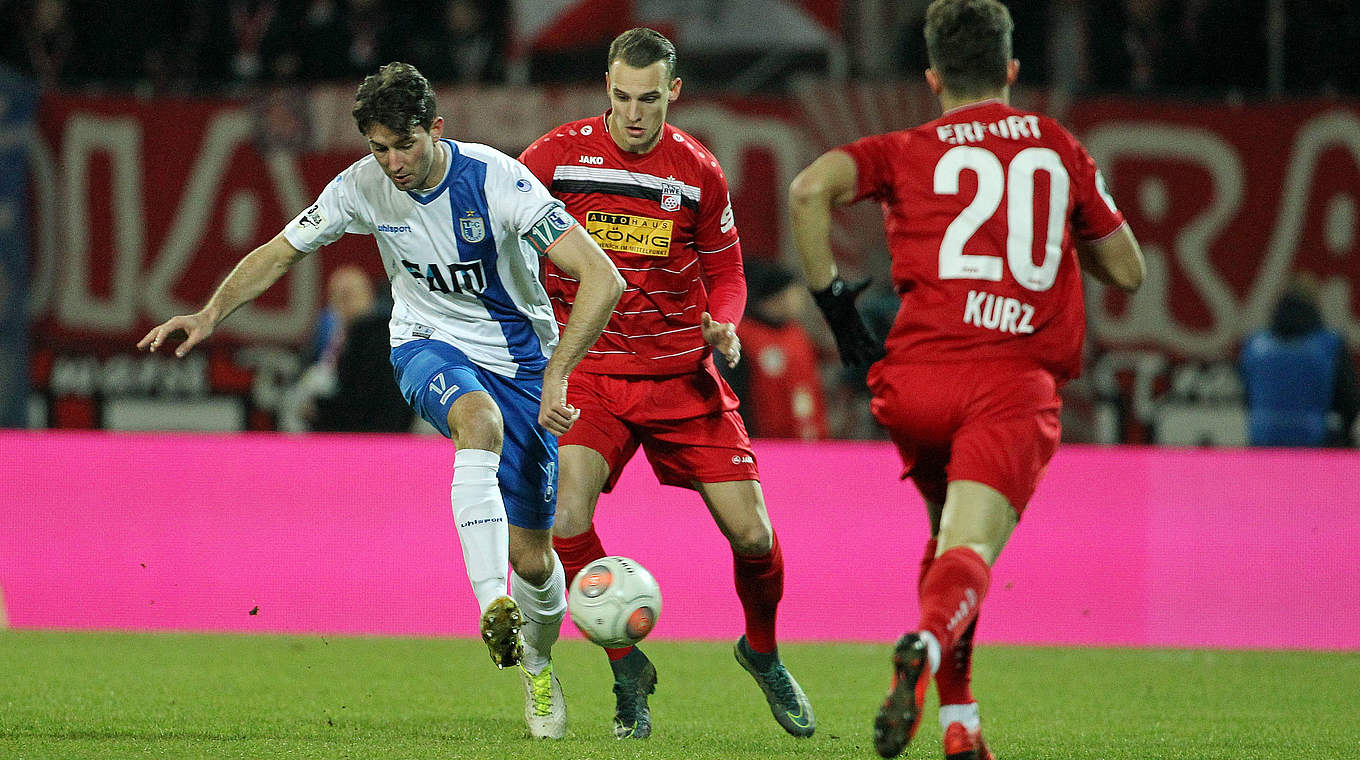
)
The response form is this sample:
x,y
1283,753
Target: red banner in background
x,y
142,206
1226,203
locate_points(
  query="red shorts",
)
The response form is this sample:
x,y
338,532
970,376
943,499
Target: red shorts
x,y
687,425
993,422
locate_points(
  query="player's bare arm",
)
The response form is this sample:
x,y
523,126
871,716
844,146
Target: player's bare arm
x,y
251,276
600,287
825,184
1116,260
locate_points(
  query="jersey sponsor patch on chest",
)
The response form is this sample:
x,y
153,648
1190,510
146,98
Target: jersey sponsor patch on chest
x,y
629,233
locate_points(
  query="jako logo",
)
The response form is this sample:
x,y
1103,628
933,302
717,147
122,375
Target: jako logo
x,y
394,228
968,604
742,459
592,160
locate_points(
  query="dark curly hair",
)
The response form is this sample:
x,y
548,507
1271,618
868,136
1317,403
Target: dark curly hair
x,y
398,97
969,44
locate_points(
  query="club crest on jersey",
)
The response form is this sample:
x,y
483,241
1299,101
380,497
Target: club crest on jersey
x,y
670,196
471,228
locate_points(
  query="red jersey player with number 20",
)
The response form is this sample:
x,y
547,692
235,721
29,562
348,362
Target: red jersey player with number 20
x,y
991,212
656,201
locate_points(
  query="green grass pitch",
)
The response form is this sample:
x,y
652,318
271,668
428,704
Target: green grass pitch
x,y
96,695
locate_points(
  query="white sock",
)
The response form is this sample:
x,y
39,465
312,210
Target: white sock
x,y
965,714
932,650
479,513
543,608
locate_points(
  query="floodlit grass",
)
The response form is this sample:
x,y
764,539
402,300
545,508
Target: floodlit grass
x,y
87,695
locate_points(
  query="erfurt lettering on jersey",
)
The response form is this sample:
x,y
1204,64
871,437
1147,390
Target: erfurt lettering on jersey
x,y
994,312
1011,128
459,277
629,233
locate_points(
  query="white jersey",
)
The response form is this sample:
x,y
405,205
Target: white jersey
x,y
461,269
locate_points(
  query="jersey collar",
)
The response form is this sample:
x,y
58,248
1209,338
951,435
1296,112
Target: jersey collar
x,y
975,104
427,196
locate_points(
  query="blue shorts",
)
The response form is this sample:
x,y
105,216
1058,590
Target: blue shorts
x,y
433,374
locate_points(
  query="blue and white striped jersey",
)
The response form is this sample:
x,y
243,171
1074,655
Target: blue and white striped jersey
x,y
460,266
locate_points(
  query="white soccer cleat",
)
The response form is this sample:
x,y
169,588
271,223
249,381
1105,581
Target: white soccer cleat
x,y
545,708
500,631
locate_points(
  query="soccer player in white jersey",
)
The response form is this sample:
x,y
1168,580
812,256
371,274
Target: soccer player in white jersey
x,y
461,228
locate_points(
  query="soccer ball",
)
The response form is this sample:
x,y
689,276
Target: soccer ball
x,y
614,601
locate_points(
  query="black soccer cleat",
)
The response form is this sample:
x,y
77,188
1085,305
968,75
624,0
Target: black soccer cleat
x,y
788,703
900,714
634,680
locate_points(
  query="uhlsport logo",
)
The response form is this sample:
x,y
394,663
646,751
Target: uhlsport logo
x,y
394,228
550,485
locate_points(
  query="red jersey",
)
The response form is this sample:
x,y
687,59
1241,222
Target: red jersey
x,y
665,219
982,209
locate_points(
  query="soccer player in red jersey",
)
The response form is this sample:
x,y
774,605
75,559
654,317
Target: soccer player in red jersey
x,y
656,200
991,213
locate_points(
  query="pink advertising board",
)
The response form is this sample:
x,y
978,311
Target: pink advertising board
x,y
353,535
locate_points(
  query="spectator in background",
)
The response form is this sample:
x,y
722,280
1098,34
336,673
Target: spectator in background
x,y
779,385
464,47
350,386
1298,376
48,39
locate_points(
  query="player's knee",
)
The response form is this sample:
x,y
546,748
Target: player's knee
x,y
534,566
569,521
753,540
476,424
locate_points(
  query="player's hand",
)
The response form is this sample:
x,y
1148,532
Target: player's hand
x,y
723,337
196,328
837,302
554,413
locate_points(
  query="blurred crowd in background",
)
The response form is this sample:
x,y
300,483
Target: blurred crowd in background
x,y
1219,51
198,47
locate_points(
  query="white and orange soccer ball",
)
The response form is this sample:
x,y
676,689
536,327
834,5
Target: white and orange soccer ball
x,y
614,601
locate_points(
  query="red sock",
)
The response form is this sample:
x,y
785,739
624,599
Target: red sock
x,y
576,552
955,677
950,595
760,586
927,560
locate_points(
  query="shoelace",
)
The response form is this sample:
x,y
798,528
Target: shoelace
x,y
541,685
778,679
